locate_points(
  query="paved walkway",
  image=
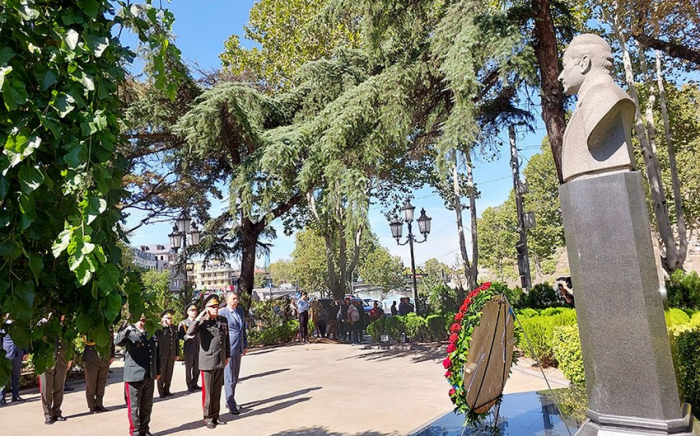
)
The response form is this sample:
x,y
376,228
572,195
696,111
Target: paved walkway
x,y
313,389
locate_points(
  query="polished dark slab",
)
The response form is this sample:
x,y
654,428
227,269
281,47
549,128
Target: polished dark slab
x,y
524,414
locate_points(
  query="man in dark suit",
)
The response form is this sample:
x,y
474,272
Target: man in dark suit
x,y
190,348
214,353
16,355
238,337
169,346
52,380
96,373
141,368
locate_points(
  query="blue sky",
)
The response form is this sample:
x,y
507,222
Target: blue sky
x,y
202,26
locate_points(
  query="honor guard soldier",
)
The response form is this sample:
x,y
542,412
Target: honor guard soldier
x,y
52,380
214,352
169,346
190,349
96,373
141,368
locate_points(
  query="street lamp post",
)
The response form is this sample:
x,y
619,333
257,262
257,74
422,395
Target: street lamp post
x,y
423,228
178,238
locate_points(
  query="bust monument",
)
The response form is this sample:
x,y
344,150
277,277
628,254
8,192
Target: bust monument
x,y
598,136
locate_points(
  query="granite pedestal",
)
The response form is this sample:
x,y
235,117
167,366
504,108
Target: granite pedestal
x,y
629,372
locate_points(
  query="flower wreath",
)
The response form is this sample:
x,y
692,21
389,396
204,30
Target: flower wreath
x,y
466,320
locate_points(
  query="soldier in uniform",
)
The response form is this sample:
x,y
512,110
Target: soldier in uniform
x,y
141,368
190,349
214,352
96,373
16,355
169,346
51,383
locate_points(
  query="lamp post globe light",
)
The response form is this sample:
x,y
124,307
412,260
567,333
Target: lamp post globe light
x,y
183,228
397,230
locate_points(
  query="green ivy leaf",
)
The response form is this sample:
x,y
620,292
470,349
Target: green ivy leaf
x,y
14,94
96,206
30,178
4,71
61,242
98,44
75,154
36,264
71,39
90,7
82,272
108,277
6,53
113,305
64,104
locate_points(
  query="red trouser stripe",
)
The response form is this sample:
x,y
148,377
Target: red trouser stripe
x,y
41,393
204,389
128,408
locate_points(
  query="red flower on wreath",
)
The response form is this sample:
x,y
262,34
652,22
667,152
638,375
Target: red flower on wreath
x,y
455,327
451,348
453,338
452,392
448,374
459,316
447,363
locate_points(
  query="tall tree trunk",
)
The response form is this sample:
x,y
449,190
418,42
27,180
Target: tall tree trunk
x,y
673,168
249,234
468,268
552,95
669,256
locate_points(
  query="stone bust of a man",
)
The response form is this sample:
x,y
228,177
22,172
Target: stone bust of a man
x,y
598,136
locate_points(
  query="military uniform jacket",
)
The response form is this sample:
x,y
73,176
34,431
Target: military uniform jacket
x,y
142,360
190,346
168,342
214,345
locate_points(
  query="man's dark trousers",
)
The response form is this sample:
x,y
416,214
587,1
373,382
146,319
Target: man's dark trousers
x,y
231,373
51,384
14,378
191,369
95,380
211,393
139,401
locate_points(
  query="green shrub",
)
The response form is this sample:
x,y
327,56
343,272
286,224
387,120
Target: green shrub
x,y
376,329
286,332
438,326
539,331
566,346
676,317
695,319
526,313
685,343
393,326
515,296
684,290
541,295
415,327
552,311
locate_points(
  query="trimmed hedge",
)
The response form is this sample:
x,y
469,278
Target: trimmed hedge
x,y
286,332
433,328
540,331
566,346
676,317
685,347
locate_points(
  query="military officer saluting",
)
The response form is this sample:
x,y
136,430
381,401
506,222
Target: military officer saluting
x,y
96,373
214,352
190,348
169,346
141,368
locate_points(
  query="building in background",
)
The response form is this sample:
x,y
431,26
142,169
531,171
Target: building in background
x,y
214,275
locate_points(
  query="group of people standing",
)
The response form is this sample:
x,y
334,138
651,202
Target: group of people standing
x,y
215,340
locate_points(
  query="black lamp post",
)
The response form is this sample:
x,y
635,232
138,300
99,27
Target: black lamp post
x,y
423,227
178,238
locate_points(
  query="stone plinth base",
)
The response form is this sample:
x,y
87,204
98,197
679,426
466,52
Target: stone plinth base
x,y
608,425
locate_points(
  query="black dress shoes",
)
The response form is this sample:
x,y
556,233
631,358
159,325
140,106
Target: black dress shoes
x,y
67,388
102,409
169,394
17,399
49,421
3,402
93,410
234,410
211,424
60,418
219,422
